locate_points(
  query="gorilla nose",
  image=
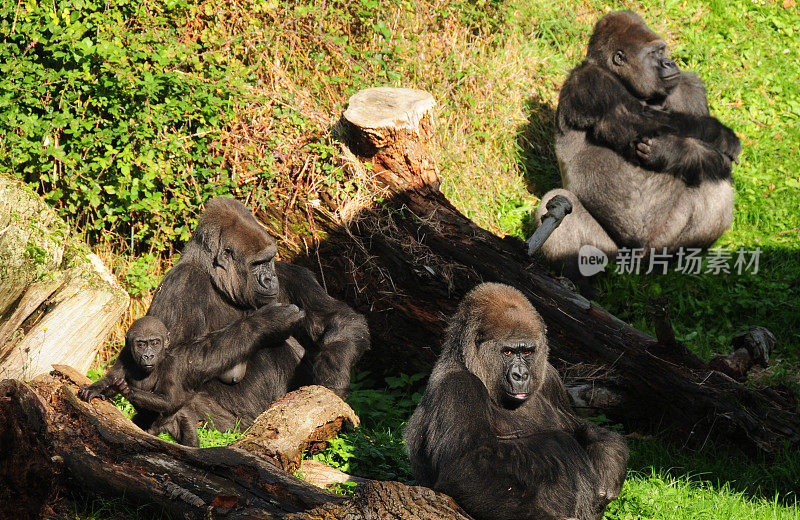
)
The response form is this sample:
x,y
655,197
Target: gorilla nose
x,y
267,281
519,375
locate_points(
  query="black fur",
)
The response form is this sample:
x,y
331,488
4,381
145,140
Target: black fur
x,y
638,149
495,430
227,274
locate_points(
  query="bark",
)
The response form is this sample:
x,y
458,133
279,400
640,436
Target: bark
x,y
58,303
51,441
406,261
307,417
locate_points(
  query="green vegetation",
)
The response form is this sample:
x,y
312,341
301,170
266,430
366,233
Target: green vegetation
x,y
126,115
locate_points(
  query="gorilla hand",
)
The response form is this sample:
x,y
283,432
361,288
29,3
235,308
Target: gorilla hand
x,y
728,143
279,321
87,393
121,386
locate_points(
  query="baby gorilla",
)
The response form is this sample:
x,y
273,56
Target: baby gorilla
x,y
160,380
495,430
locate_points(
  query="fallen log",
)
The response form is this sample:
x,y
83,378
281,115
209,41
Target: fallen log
x,y
52,441
406,261
309,416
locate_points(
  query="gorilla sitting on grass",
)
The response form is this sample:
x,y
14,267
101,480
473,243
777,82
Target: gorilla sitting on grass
x,y
495,430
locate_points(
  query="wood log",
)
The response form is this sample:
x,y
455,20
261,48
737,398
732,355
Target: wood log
x,y
58,303
321,475
406,262
51,441
309,416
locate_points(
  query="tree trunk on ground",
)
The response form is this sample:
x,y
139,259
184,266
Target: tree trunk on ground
x,y
51,440
58,302
406,262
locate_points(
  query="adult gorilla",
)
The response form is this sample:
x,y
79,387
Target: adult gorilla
x,y
228,270
642,161
494,429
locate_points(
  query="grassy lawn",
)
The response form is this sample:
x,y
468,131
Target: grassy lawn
x,y
241,93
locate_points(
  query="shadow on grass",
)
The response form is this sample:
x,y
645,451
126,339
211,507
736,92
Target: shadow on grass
x,y
536,157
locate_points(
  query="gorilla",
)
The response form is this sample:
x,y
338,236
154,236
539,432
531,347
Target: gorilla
x,y
642,161
495,430
164,380
228,272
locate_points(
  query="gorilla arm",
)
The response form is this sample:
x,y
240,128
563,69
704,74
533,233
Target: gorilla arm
x,y
334,334
593,100
189,365
690,145
607,450
107,386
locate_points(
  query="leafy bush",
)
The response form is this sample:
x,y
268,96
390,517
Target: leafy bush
x,y
109,111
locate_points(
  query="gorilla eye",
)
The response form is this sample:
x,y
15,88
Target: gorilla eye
x,y
527,352
156,342
507,352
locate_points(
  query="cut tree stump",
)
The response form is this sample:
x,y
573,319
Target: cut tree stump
x,y
309,416
58,303
392,126
52,441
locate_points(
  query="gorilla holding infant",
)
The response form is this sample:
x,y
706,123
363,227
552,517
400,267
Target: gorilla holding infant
x,y
495,429
251,327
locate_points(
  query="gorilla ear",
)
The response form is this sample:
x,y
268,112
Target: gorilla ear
x,y
619,58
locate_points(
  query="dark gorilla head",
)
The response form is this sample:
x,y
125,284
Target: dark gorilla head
x,y
147,339
623,44
500,338
238,252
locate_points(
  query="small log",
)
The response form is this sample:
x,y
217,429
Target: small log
x,y
321,475
305,418
58,303
388,500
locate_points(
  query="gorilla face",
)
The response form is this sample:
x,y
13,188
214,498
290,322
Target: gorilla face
x,y
512,373
516,381
509,351
244,267
647,70
242,253
148,341
623,44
